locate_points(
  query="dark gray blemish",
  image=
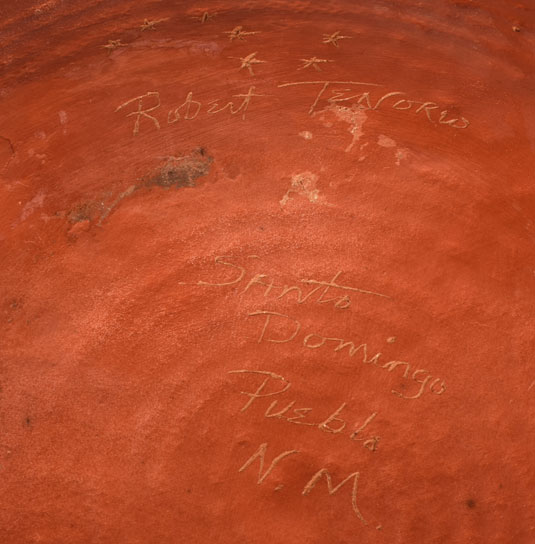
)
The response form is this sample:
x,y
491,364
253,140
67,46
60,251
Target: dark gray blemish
x,y
182,171
85,212
179,171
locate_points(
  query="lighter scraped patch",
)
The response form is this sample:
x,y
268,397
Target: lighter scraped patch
x,y
385,141
355,116
400,154
32,205
303,184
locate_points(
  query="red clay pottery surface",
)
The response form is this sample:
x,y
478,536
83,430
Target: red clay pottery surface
x,y
268,272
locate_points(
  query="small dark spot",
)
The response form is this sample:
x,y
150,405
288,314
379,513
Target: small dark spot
x,y
501,486
188,490
260,228
471,503
28,421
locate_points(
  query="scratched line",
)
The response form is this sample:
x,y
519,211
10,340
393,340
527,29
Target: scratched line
x,y
325,283
335,82
333,284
